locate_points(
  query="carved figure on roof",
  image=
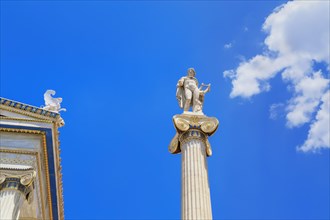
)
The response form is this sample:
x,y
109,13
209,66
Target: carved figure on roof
x,y
189,95
51,103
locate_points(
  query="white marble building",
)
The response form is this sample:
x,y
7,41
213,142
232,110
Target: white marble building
x,y
30,169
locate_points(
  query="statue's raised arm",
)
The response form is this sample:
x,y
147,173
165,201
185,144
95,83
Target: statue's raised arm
x,y
189,95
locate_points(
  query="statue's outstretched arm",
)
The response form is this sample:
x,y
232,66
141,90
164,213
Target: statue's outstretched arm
x,y
206,90
180,82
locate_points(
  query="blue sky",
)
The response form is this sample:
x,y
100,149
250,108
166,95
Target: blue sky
x,y
116,65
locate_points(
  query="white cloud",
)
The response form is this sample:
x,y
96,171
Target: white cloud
x,y
229,74
227,46
276,110
297,38
300,27
309,92
250,78
319,135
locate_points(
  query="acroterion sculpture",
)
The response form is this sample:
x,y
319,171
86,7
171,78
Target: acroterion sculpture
x,y
51,103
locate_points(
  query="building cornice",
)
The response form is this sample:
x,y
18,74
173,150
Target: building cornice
x,y
29,110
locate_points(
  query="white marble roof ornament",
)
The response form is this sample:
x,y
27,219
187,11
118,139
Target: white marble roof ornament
x,y
189,94
51,103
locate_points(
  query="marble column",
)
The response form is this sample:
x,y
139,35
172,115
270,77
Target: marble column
x,y
191,140
16,185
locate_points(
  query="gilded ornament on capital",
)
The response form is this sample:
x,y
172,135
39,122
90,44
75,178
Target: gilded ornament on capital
x,y
194,120
2,178
181,124
209,126
27,179
174,145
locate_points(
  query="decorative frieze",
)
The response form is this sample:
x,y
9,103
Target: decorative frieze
x,y
32,111
27,108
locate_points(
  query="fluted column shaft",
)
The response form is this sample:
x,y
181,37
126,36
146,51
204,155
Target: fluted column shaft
x,y
191,140
195,190
11,201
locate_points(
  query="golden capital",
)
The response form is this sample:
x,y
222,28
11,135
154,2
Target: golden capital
x,y
21,178
193,126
